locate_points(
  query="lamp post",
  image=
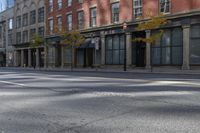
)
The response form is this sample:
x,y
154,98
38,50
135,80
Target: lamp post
x,y
124,29
93,41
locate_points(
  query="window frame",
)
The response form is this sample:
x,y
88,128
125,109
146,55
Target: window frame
x,y
112,50
162,46
114,14
136,7
93,17
69,23
166,3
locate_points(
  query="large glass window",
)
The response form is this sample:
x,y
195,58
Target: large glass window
x,y
115,50
164,6
67,52
93,17
168,49
137,8
80,56
115,12
195,45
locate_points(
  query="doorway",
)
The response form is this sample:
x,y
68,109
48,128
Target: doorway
x,y
89,57
139,50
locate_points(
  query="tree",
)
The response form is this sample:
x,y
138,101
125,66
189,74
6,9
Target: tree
x,y
151,23
38,41
148,24
71,40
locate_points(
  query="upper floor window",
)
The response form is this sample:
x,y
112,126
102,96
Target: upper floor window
x,y
115,12
32,32
80,20
137,8
25,36
59,4
93,17
32,17
69,2
164,6
69,22
10,24
50,23
80,1
41,31
18,22
59,23
18,37
41,14
50,6
25,19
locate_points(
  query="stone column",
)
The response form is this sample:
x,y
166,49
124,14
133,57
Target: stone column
x,y
148,51
103,49
128,49
186,48
37,58
29,58
22,58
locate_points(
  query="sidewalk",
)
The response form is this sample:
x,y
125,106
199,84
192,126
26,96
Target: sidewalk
x,y
134,70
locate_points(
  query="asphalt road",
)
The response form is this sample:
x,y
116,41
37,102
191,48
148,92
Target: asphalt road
x,y
86,102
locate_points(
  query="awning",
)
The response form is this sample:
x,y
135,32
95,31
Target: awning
x,y
87,44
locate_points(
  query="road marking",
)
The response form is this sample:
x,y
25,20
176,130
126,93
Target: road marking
x,y
12,83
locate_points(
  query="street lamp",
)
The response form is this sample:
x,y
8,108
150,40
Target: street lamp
x,y
93,41
124,29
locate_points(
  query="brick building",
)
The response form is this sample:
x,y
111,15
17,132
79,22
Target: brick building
x,y
101,22
29,16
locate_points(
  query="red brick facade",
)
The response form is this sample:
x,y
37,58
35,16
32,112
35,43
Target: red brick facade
x,y
104,10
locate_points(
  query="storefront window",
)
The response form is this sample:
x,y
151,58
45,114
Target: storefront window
x,y
67,52
115,50
195,45
80,56
168,49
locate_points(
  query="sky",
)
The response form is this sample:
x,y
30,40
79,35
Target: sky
x,y
3,4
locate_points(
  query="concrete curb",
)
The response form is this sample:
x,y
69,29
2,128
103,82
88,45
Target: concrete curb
x,y
142,71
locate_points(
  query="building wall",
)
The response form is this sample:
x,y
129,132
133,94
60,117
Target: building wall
x,y
7,35
181,16
126,10
21,7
